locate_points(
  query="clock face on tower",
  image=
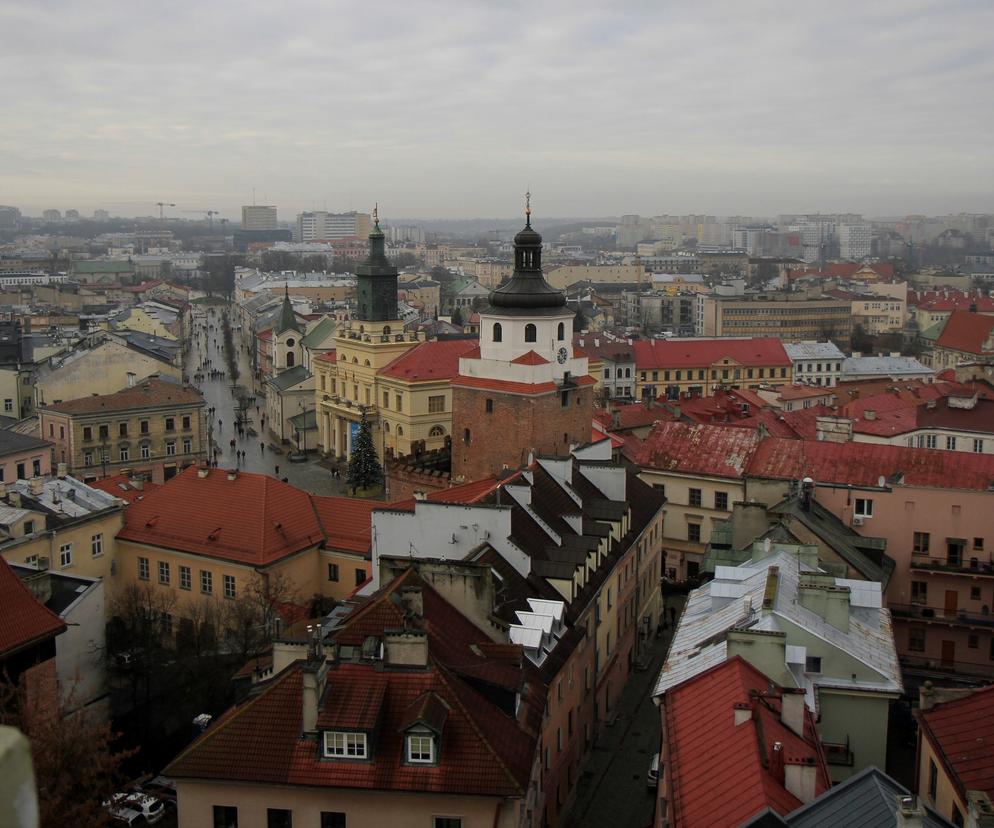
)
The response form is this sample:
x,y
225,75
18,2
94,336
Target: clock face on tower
x,y
561,355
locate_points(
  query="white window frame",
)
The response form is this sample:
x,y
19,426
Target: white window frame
x,y
124,454
171,448
185,578
97,545
417,755
863,507
143,569
146,452
229,586
345,745
165,572
206,582
65,555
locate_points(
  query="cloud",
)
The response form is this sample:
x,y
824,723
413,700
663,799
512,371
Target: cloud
x,y
453,108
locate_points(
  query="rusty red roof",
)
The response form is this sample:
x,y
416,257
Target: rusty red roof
x,y
698,449
24,621
721,772
149,393
436,359
962,733
969,332
346,522
703,353
327,356
530,358
864,464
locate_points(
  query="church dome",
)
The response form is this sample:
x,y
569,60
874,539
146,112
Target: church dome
x,y
526,290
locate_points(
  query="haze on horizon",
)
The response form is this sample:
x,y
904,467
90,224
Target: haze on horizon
x,y
452,109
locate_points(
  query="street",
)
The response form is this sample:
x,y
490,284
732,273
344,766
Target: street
x,y
205,353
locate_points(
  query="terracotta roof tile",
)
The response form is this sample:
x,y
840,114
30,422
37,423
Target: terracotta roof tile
x,y
530,358
962,731
967,332
701,449
148,393
506,386
345,521
351,706
431,360
702,353
24,620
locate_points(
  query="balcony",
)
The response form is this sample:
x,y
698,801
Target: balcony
x,y
958,667
838,753
972,567
939,615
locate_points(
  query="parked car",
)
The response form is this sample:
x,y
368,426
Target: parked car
x,y
135,808
121,811
652,778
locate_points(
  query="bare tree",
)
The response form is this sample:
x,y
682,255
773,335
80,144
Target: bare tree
x,y
254,618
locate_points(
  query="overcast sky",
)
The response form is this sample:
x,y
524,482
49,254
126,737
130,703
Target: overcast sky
x,y
453,109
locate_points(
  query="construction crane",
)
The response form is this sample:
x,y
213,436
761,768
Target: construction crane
x,y
162,205
209,213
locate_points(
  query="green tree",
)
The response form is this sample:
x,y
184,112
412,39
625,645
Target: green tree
x,y
364,466
456,316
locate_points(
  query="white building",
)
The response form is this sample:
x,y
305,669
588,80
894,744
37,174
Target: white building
x,y
406,233
259,217
320,225
855,241
815,363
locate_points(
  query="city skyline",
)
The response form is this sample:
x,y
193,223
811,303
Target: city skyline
x,y
600,111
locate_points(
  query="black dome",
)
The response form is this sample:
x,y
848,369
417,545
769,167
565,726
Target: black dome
x,y
527,289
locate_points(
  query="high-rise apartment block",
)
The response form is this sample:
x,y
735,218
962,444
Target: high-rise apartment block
x,y
320,225
259,217
855,241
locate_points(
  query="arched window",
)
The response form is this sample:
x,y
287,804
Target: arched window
x,y
562,331
343,358
531,334
498,332
355,360
400,431
386,329
367,364
386,427
362,329
436,431
290,359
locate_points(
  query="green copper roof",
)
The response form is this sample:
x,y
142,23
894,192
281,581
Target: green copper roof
x,y
319,333
102,266
933,332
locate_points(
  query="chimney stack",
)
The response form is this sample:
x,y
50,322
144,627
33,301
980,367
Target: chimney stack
x,y
801,777
910,813
37,486
63,471
314,675
792,709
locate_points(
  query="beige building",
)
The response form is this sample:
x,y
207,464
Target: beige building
x,y
792,317
259,217
154,428
564,276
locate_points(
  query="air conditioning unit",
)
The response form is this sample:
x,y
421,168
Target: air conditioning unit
x,y
857,520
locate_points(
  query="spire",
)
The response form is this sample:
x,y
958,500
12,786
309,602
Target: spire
x,y
287,319
376,214
528,208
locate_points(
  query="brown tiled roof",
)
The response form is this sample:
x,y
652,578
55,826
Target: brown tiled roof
x,y
967,332
962,733
351,706
699,449
149,393
24,620
432,360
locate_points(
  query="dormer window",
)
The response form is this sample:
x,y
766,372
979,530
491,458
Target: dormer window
x,y
339,745
421,748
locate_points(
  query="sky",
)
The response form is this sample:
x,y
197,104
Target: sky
x,y
454,109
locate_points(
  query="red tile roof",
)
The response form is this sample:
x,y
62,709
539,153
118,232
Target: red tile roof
x,y
968,332
962,733
24,621
266,334
633,415
863,464
124,487
803,392
505,386
530,358
327,356
346,522
253,519
354,706
698,449
721,773
436,359
472,492
703,353
149,393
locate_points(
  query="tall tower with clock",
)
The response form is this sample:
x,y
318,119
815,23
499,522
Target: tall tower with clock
x,y
524,390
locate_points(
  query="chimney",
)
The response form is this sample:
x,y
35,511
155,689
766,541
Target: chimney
x,y
792,709
910,813
15,499
314,674
62,471
748,523
869,414
202,472
232,474
807,491
405,648
37,486
413,601
801,777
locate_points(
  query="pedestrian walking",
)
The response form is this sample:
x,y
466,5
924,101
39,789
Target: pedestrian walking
x,y
262,448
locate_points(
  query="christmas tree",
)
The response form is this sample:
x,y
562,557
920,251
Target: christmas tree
x,y
364,466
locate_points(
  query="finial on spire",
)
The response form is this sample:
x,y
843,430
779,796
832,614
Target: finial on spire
x,y
286,290
376,214
528,208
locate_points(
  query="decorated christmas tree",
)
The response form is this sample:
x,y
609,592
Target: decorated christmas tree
x,y
364,466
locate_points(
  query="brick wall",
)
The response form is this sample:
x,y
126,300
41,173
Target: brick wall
x,y
516,426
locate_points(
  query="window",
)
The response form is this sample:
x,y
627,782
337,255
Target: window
x,y
145,451
564,400
721,501
206,582
225,816
436,404
436,431
143,427
65,555
143,568
184,577
561,332
399,401
973,641
347,745
360,576
333,819
974,593
29,527
229,586
447,822
171,448
812,664
694,497
290,359
920,546
87,433
978,543
916,639
187,445
933,779
8,406
332,572
104,432
96,544
386,399
466,436
498,332
186,422
170,423
950,444
279,818
87,458
694,532
864,507
124,453
978,446
957,816
919,592
930,441
122,429
420,748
